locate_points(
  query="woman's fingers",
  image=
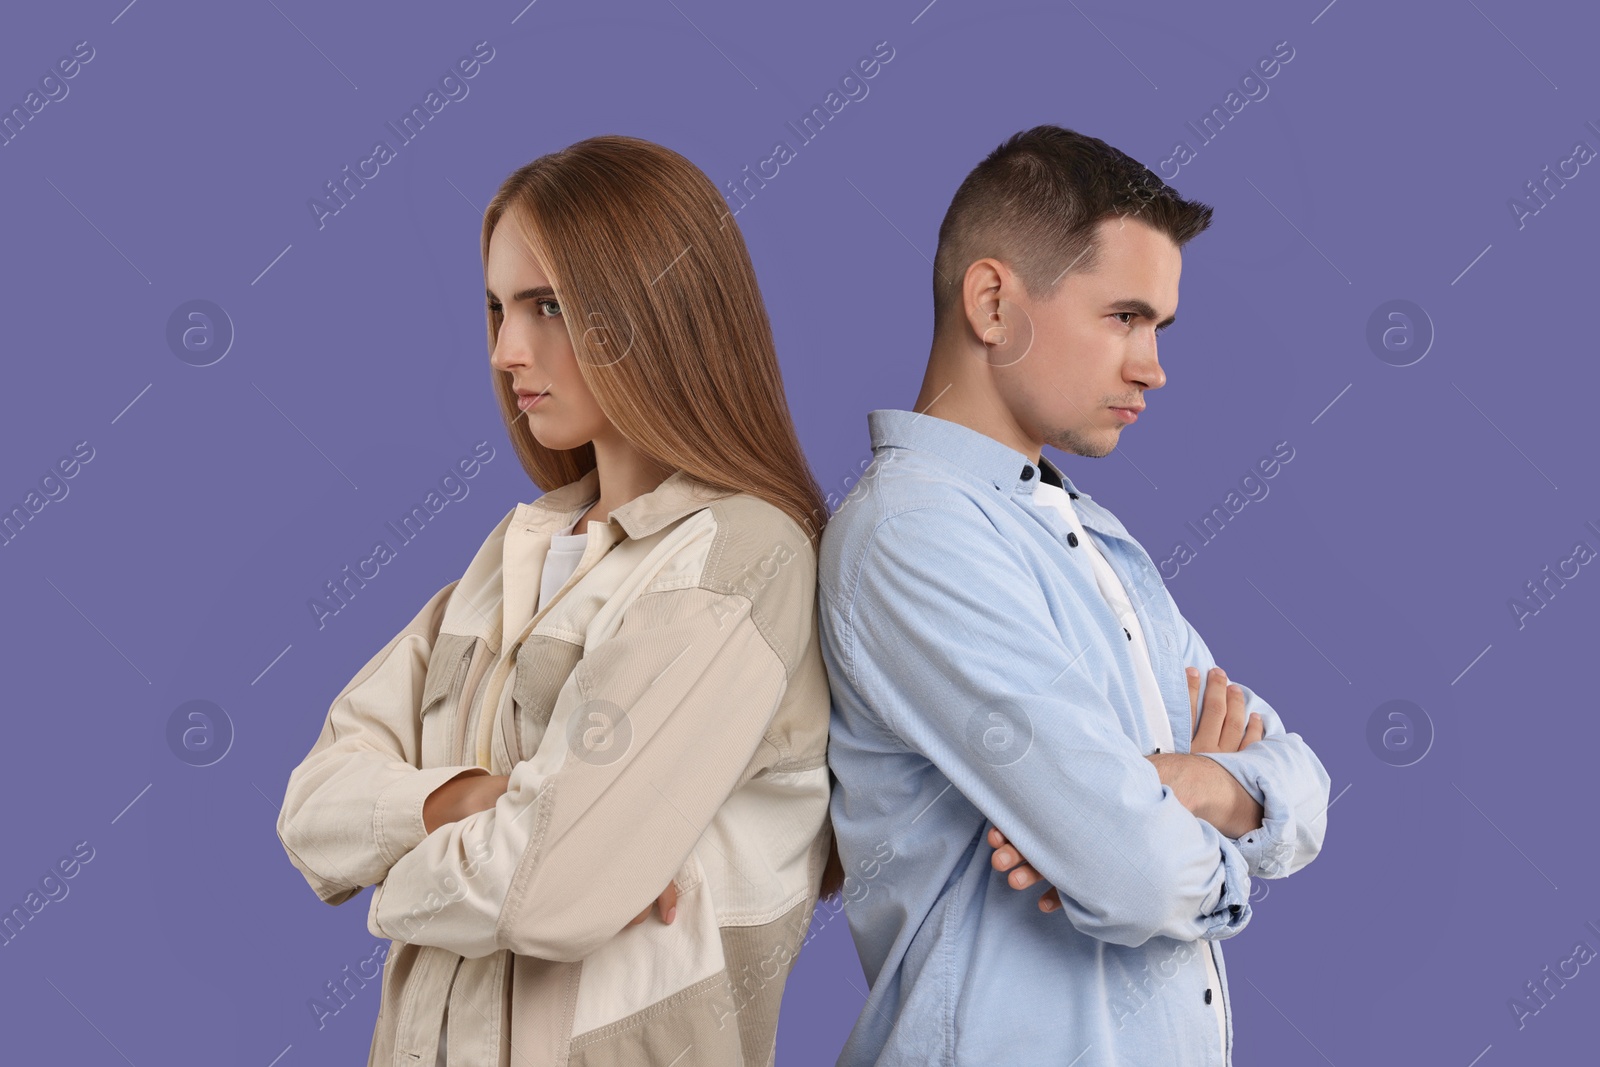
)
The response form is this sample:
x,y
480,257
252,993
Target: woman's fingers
x,y
1050,901
666,904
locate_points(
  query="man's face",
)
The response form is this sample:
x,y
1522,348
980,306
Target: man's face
x,y
1092,347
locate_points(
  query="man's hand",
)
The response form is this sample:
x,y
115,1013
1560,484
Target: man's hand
x,y
1007,858
1200,784
461,796
1221,727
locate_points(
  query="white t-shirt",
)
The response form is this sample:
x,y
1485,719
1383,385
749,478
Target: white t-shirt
x,y
566,550
1116,595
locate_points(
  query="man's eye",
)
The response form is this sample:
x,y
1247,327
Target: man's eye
x,y
553,304
1120,313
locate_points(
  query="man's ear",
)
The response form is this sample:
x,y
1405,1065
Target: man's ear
x,y
982,286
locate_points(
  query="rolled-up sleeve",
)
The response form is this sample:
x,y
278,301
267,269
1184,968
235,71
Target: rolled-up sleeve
x,y
950,640
649,735
353,806
1282,774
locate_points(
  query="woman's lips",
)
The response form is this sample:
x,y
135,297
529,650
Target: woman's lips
x,y
528,400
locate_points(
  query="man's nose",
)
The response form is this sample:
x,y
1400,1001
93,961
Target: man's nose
x,y
1150,370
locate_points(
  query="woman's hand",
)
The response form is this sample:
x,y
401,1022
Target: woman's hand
x,y
666,904
461,796
467,794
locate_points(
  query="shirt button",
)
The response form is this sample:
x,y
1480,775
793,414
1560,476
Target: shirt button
x,y
1027,471
1072,539
1208,996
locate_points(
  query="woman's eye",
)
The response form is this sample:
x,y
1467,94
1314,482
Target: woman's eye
x,y
494,306
550,303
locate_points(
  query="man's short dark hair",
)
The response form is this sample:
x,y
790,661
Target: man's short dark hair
x,y
1034,204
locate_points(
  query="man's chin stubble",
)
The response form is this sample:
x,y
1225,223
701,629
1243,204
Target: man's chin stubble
x,y
1081,445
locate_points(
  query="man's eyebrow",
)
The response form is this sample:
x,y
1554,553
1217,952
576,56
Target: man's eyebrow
x,y
1141,308
536,293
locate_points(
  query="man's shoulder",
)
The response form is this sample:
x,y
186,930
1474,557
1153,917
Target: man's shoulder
x,y
902,498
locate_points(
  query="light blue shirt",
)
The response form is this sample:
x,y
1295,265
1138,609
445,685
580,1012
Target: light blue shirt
x,y
980,679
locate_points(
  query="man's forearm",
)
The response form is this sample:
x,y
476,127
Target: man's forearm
x,y
1210,793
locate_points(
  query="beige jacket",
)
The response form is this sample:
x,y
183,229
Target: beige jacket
x,y
664,716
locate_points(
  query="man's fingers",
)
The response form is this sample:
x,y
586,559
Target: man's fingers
x,y
1194,699
1234,726
996,838
1050,901
1213,709
1255,731
1022,877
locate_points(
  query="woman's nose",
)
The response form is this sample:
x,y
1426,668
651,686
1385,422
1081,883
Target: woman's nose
x,y
508,353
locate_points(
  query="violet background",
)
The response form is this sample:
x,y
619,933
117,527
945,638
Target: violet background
x,y
1420,501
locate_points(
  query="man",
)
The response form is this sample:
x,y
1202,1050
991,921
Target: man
x,y
1012,687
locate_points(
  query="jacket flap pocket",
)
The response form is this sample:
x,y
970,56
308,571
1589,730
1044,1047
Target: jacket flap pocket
x,y
447,667
542,667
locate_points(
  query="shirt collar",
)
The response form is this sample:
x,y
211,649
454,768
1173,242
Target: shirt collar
x,y
678,495
976,453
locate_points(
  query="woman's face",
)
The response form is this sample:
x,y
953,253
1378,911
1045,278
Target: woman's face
x,y
534,347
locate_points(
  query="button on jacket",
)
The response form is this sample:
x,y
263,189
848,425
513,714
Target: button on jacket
x,y
663,717
979,679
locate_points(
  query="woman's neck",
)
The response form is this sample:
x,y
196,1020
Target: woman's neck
x,y
623,472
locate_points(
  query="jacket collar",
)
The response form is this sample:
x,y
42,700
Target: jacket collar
x,y
678,495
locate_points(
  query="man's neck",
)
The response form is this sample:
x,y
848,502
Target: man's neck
x,y
968,399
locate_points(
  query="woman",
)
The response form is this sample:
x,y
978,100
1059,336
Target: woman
x,y
621,704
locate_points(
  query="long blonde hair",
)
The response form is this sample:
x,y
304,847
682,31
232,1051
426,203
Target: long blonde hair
x,y
660,299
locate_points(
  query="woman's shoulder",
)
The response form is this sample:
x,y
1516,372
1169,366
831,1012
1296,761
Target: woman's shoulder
x,y
751,512
751,530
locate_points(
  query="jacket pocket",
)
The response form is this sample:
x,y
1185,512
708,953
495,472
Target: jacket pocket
x,y
441,696
543,664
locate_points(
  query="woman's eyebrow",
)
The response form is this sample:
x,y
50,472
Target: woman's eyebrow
x,y
535,293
